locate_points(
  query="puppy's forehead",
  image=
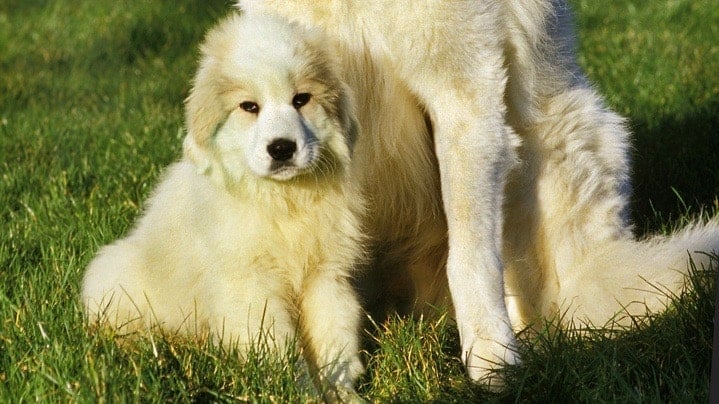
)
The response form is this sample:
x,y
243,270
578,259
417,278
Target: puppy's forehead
x,y
257,44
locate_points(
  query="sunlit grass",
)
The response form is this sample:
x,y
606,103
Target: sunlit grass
x,y
91,100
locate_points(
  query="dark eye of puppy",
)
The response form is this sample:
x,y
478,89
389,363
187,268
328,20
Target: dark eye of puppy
x,y
250,107
299,100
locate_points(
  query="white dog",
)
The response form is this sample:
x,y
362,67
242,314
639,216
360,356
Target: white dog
x,y
256,231
482,150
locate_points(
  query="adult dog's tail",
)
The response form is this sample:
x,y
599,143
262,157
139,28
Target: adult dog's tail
x,y
568,248
628,276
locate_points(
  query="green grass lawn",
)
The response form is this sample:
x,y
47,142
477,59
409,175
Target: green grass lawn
x,y
91,111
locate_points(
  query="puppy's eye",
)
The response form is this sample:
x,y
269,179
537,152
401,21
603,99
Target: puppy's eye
x,y
250,107
299,100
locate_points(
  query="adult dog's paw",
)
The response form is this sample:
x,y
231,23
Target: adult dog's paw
x,y
483,356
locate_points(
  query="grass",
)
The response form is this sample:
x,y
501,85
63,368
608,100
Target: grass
x,y
91,111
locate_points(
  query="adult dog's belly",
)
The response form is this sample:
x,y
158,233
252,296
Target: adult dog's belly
x,y
395,166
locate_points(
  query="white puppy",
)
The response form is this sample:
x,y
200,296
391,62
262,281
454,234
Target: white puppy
x,y
256,230
442,88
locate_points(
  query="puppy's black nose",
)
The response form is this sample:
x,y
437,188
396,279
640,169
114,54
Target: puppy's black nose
x,y
282,149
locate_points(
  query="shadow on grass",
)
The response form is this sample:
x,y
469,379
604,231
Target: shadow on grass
x,y
675,166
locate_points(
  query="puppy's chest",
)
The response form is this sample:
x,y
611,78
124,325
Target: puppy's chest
x,y
287,245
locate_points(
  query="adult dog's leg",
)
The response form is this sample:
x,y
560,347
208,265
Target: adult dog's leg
x,y
472,156
475,150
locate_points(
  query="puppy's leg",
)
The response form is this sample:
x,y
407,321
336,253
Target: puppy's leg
x,y
330,323
253,311
113,290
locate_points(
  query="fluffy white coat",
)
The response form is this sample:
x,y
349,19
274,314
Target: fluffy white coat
x,y
250,237
483,150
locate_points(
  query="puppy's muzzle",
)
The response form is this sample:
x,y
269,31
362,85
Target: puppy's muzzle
x,y
281,150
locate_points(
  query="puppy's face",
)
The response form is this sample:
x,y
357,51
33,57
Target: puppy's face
x,y
276,128
266,103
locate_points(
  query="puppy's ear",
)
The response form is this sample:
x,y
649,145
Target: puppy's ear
x,y
204,111
204,114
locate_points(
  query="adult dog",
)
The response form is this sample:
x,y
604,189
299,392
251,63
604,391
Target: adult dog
x,y
256,230
482,149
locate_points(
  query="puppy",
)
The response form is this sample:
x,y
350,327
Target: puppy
x,y
255,231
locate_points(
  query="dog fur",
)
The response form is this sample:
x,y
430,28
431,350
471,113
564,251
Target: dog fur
x,y
494,174
238,241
